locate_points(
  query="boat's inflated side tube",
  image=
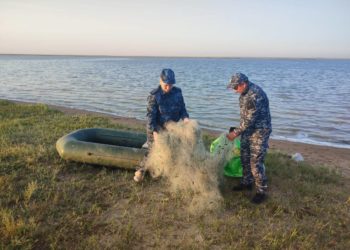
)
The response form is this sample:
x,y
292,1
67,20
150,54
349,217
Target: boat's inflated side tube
x,y
106,147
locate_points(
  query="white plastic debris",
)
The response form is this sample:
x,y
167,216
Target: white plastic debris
x,y
297,157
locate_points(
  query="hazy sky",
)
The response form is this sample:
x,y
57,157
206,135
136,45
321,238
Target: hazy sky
x,y
219,28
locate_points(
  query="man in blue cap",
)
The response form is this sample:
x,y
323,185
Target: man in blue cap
x,y
255,129
165,104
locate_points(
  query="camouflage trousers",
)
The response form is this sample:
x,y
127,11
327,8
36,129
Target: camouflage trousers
x,y
254,145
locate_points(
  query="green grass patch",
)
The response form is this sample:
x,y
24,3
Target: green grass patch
x,y
46,202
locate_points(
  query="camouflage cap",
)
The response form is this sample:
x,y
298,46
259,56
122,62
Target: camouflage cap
x,y
236,79
168,76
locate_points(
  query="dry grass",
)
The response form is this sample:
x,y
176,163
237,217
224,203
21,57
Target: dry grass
x,y
46,202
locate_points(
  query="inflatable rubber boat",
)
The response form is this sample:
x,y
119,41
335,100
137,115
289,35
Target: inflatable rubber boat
x,y
108,147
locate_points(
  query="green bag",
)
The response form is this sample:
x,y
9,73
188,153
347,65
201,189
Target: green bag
x,y
233,167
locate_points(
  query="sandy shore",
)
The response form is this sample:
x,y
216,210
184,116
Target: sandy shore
x,y
338,158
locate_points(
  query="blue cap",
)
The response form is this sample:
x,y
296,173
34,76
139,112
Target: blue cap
x,y
236,79
168,76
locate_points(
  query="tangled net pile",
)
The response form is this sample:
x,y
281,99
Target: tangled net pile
x,y
180,156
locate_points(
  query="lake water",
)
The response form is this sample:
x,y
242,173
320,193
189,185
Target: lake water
x,y
309,99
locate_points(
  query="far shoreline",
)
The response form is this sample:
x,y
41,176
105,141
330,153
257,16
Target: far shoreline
x,y
338,158
189,57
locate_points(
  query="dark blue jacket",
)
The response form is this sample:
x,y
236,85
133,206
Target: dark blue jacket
x,y
164,107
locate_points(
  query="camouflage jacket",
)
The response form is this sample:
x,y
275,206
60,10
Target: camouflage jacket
x,y
254,110
164,107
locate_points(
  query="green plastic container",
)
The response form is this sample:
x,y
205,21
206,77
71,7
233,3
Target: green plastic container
x,y
107,147
233,168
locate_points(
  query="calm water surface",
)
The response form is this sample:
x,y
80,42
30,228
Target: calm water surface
x,y
309,99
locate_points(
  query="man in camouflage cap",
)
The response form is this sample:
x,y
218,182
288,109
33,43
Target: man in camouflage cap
x,y
254,129
165,104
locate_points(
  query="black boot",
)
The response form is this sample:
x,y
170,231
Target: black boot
x,y
259,198
241,187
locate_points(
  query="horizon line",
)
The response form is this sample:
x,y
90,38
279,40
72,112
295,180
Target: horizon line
x,y
204,57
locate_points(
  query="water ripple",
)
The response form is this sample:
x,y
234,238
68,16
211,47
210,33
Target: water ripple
x,y
307,103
